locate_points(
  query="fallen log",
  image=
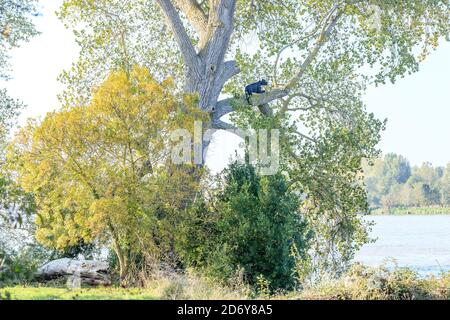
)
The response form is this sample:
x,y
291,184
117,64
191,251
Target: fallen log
x,y
79,272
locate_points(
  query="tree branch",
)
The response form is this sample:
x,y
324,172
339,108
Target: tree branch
x,y
265,98
226,72
195,14
180,34
224,107
322,39
230,69
220,28
222,125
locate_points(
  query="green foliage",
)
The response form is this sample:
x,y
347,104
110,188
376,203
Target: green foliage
x,y
251,222
18,266
102,173
48,293
381,283
16,27
392,183
325,128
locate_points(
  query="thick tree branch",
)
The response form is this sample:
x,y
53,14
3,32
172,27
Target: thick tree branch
x,y
220,28
230,69
180,34
195,14
224,107
226,72
222,125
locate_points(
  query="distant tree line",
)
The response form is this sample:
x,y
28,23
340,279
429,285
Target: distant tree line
x,y
392,182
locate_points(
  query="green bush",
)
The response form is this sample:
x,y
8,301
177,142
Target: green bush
x,y
249,225
380,283
18,267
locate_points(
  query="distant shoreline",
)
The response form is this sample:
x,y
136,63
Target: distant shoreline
x,y
410,211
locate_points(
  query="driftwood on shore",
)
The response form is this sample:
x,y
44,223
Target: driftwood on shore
x,y
79,272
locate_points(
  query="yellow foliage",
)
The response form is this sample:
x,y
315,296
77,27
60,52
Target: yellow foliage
x,y
100,172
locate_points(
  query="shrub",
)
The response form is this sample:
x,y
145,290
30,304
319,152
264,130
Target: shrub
x,y
251,222
381,283
18,267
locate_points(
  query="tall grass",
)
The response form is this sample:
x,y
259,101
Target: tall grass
x,y
359,283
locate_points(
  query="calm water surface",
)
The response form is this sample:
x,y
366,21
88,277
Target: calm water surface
x,y
419,242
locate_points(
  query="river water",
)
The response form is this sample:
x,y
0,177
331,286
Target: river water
x,y
419,242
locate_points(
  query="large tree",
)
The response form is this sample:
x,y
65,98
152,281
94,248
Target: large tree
x,y
291,41
319,57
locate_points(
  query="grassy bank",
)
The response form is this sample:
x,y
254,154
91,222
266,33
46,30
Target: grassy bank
x,y
360,283
44,293
412,211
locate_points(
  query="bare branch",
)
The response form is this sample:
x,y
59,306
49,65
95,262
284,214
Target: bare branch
x,y
222,125
195,14
220,28
324,35
180,34
226,71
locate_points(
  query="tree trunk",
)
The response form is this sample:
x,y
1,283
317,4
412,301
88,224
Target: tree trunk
x,y
123,260
87,271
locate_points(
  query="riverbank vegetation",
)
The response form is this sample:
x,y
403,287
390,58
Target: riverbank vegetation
x,y
359,283
395,187
118,172
403,211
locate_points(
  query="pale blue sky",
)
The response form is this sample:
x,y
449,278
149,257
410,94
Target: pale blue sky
x,y
417,107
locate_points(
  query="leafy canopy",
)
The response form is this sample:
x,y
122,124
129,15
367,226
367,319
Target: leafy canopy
x,y
251,225
16,27
324,52
102,172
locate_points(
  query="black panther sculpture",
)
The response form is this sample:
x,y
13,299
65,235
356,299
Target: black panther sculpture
x,y
255,88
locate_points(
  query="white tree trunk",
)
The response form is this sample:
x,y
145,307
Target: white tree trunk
x,y
88,271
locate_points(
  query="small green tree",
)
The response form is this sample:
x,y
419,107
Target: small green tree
x,y
251,224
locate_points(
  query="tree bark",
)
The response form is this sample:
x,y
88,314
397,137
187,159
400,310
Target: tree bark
x,y
88,271
206,71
